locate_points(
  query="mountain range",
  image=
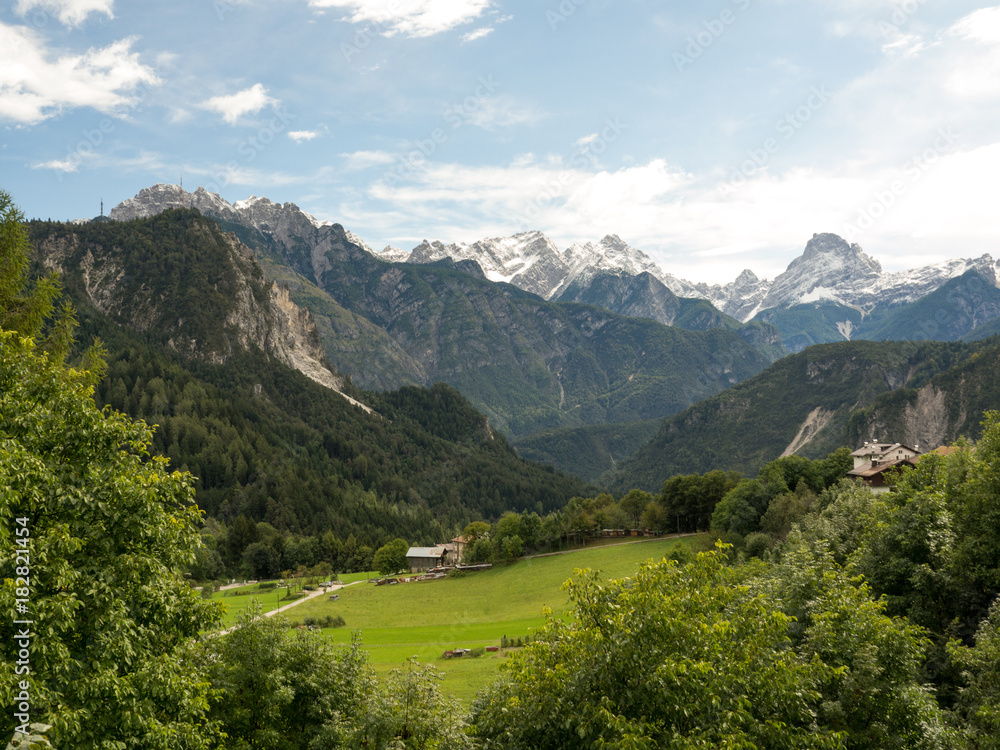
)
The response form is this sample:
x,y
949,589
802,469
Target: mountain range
x,y
203,345
834,291
530,364
578,354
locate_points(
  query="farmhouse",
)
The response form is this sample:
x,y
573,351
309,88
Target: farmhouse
x,y
454,550
421,559
874,461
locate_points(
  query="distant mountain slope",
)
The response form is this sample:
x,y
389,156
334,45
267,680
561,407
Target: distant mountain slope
x,y
800,404
832,270
529,364
947,314
177,275
984,331
813,323
941,302
198,345
645,296
532,262
587,452
937,412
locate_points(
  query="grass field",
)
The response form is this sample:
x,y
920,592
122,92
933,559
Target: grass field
x,y
425,619
236,601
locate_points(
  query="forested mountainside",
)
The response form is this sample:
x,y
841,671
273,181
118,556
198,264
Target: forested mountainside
x,y
264,440
529,364
937,411
587,452
805,403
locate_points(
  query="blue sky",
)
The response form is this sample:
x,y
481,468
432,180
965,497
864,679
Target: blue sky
x,y
715,135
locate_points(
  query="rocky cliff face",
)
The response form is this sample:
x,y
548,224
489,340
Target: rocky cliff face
x,y
229,305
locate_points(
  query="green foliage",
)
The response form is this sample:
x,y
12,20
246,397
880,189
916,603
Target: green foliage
x,y
766,503
278,690
876,698
979,705
938,531
21,310
391,557
479,552
675,657
110,530
686,502
409,713
267,444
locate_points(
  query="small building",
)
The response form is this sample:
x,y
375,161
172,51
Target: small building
x,y
875,460
422,559
461,545
453,551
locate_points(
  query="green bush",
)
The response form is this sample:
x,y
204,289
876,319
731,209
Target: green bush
x,y
327,621
757,543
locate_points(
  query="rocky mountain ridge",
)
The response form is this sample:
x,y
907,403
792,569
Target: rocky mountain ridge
x,y
532,262
242,309
829,269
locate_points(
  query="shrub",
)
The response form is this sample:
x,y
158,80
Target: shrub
x,y
327,621
757,543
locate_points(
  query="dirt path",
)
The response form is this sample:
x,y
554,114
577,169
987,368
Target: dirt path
x,y
307,597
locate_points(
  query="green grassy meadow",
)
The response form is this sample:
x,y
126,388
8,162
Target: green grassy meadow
x,y
236,601
427,618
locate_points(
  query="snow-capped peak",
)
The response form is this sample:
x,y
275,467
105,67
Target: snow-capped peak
x,y
528,260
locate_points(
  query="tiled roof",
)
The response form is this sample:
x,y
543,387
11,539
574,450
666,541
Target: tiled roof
x,y
867,470
425,552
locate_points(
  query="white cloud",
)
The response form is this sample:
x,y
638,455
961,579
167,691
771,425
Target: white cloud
x,y
58,165
302,135
944,207
179,116
496,112
246,102
69,12
477,34
36,84
981,26
412,18
360,160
